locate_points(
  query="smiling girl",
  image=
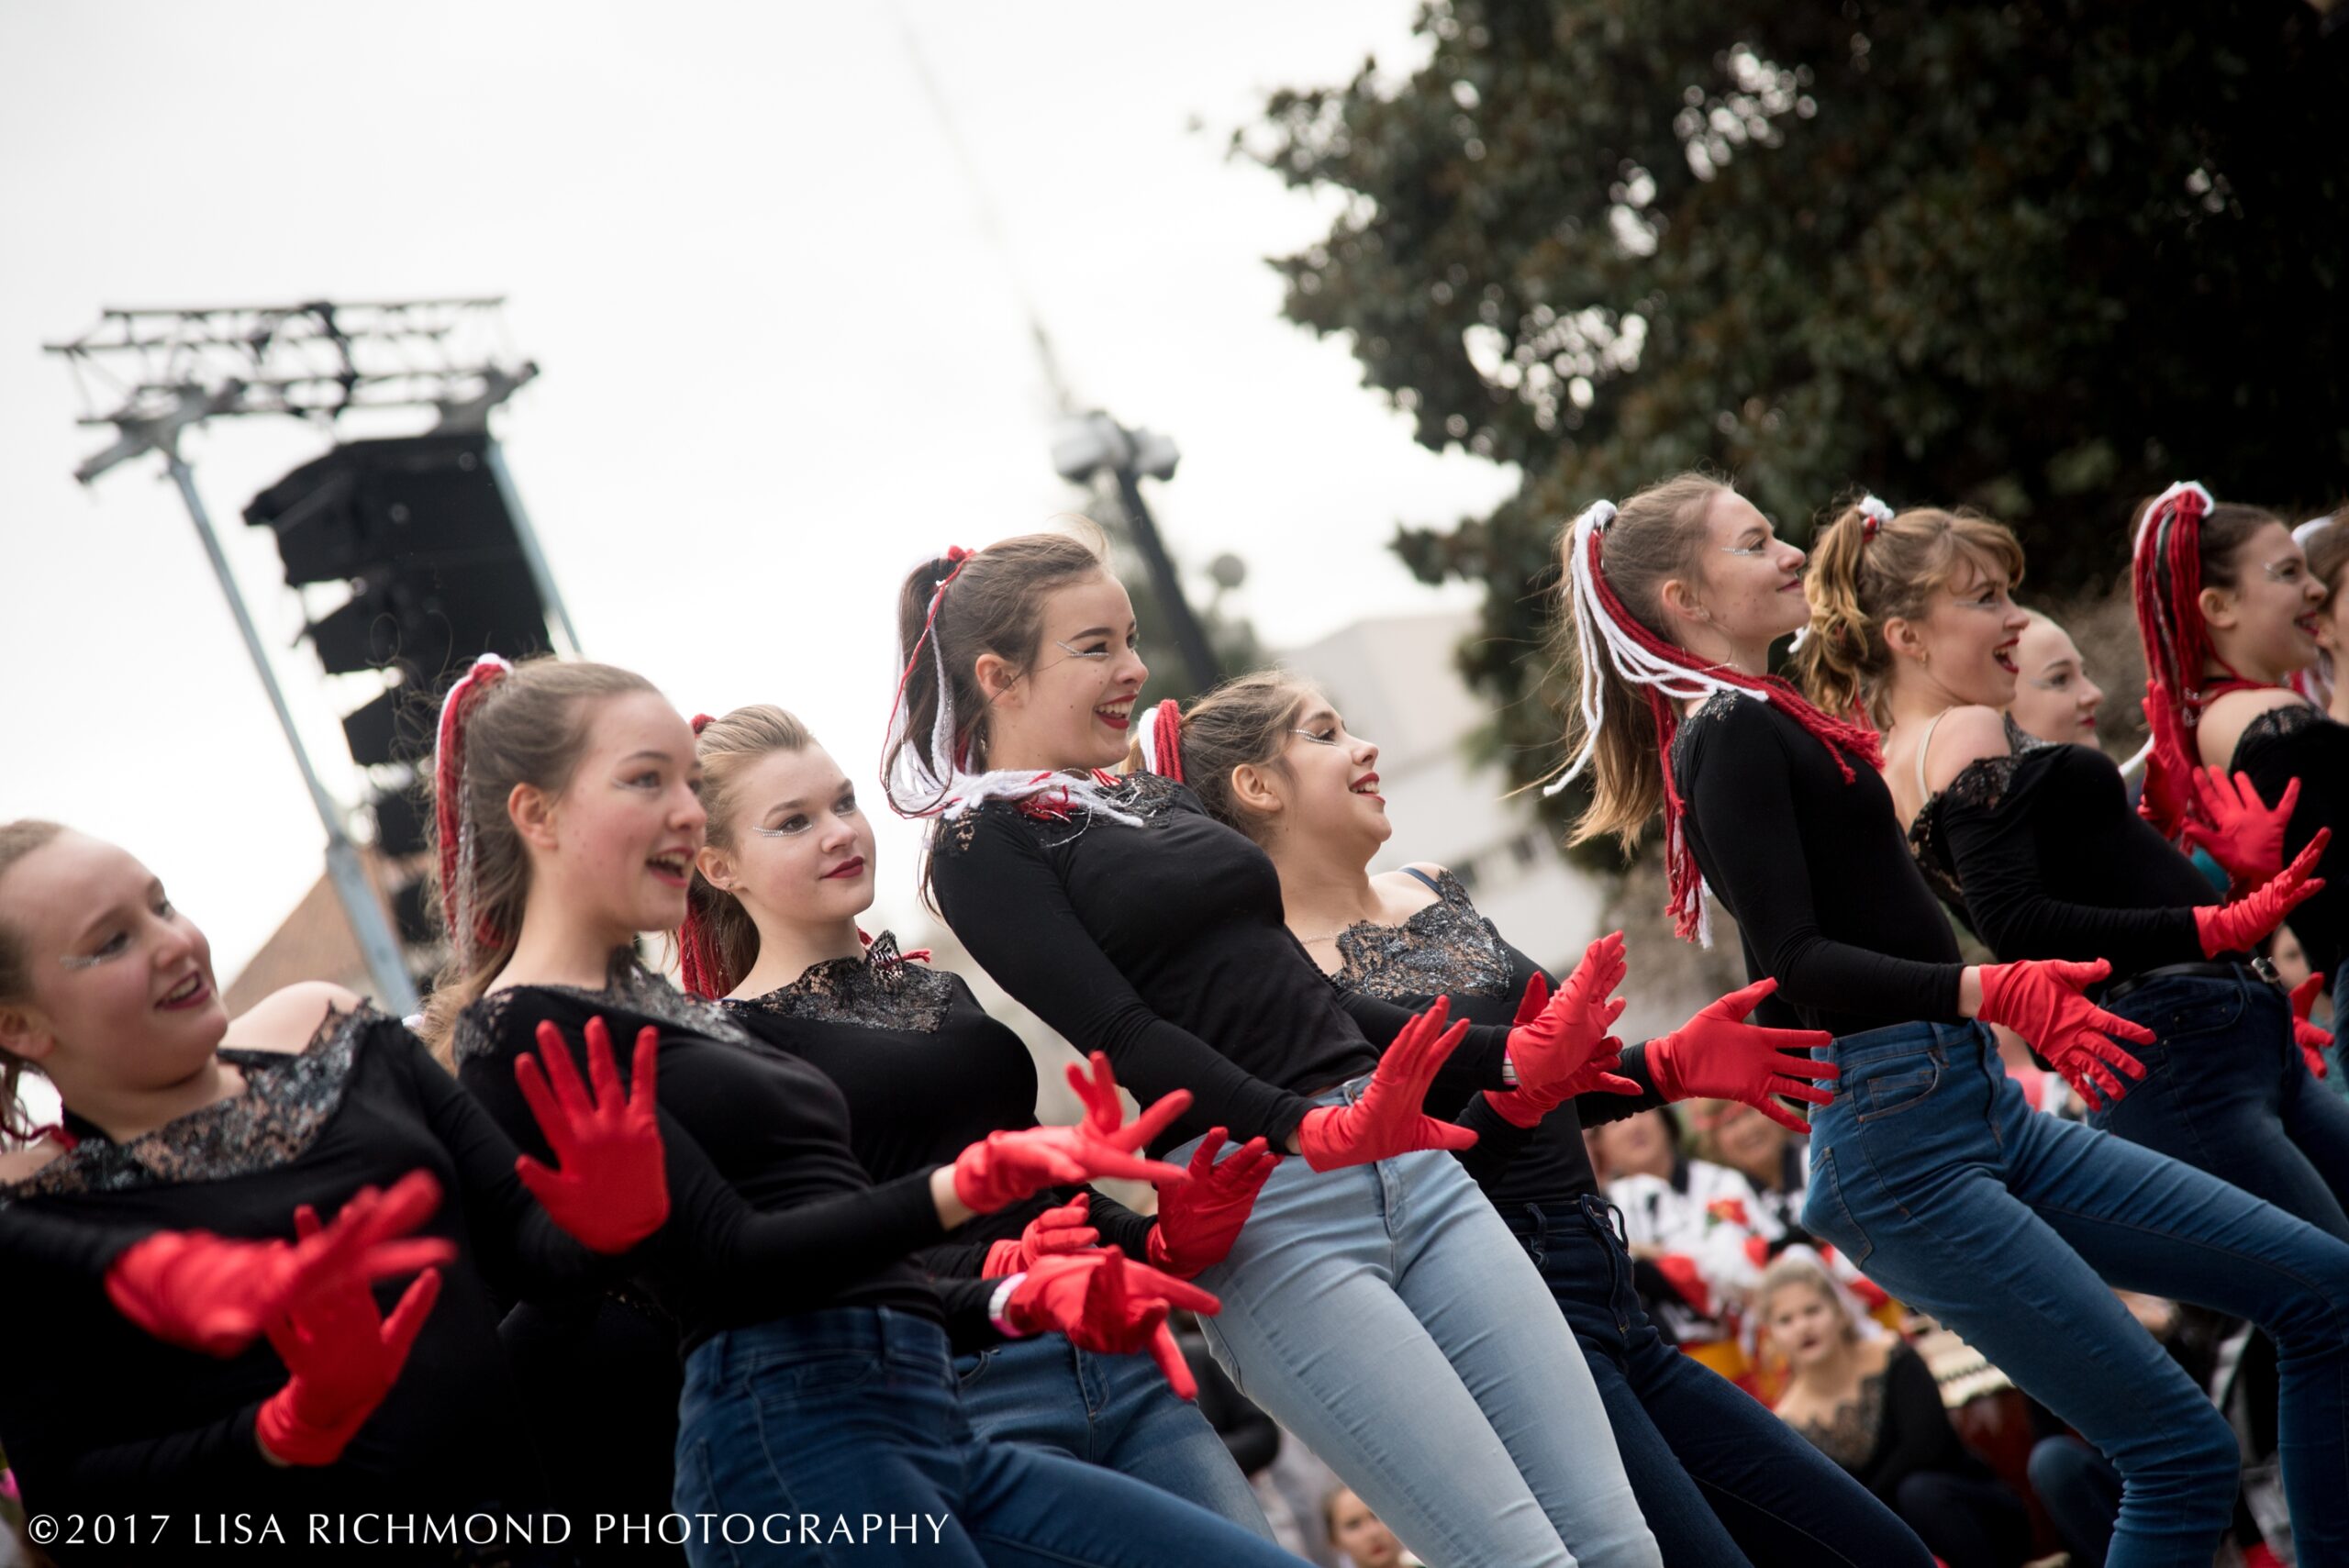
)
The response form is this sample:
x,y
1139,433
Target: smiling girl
x,y
2054,701
1375,1304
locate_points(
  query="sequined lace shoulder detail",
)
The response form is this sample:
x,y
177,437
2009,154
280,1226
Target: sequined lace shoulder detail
x,y
878,989
629,987
1848,1437
2276,725
1144,794
1445,947
1985,783
288,1099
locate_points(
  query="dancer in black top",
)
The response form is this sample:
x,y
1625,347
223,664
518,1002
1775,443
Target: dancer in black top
x,y
1718,1479
789,864
2227,609
1929,1172
568,820
2035,846
1375,1304
108,989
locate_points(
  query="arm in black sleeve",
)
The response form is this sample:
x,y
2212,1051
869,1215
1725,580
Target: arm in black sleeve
x,y
1997,855
1498,1141
965,1301
61,1249
1744,805
1916,1433
520,1248
1598,1108
1474,1062
1004,901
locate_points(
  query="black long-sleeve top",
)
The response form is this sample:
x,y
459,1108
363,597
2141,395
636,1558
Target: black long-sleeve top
x,y
1897,1428
2301,742
926,1074
1164,945
96,1416
2039,852
1447,949
1815,870
770,1212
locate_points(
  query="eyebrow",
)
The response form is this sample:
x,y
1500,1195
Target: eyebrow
x,y
1330,714
656,756
1090,631
848,786
110,913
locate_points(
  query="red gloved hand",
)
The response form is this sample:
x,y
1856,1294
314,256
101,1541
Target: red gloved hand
x,y
1198,1221
1717,1055
1387,1120
2166,798
199,1291
2245,835
2310,1039
1550,1051
2039,999
2234,927
1109,1305
1008,1166
612,1190
344,1355
1049,1235
1523,1108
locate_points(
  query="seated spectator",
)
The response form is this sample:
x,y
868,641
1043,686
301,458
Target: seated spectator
x,y
1864,1398
1690,1227
1357,1532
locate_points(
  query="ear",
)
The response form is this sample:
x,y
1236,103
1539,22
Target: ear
x,y
2218,606
1902,636
1255,790
24,1033
998,681
1679,600
715,868
531,810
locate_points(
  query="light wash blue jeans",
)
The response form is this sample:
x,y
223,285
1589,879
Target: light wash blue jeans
x,y
1113,1411
1933,1176
1384,1314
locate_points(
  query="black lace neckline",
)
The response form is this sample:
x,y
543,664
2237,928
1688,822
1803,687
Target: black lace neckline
x,y
627,987
1848,1435
879,988
1986,783
2275,726
1442,947
288,1099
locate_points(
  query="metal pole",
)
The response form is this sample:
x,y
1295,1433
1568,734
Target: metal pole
x,y
1190,637
541,576
393,990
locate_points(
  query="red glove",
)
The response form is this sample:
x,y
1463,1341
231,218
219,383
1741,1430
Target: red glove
x,y
1523,1108
2039,999
194,1289
612,1190
1717,1055
1049,1235
2166,798
1387,1120
1007,1166
2306,1035
2235,927
1560,1042
2245,835
1198,1221
344,1355
1110,1305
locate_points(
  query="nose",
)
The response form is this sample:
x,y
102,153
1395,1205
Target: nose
x,y
1132,672
839,835
1366,754
687,814
175,942
1792,560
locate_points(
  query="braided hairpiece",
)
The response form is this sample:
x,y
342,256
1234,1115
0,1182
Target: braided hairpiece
x,y
2165,571
1161,742
1605,629
466,930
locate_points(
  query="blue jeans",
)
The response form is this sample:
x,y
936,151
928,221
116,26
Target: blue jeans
x,y
847,1418
2080,1491
1723,1482
1934,1176
1113,1411
2226,1091
1384,1314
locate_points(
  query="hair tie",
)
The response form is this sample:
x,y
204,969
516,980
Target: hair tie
x,y
1600,515
1874,515
941,729
702,721
447,792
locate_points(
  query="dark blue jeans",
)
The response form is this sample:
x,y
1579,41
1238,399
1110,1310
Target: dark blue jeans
x,y
835,1437
1113,1411
2226,1091
1722,1481
1934,1176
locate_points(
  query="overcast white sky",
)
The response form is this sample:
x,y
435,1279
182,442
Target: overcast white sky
x,y
782,359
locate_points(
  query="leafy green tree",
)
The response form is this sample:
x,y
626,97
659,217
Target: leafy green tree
x,y
2039,258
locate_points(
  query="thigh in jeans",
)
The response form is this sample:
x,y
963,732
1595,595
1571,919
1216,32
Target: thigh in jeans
x,y
1026,1391
1468,1281
1144,1430
1028,1508
1313,1331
